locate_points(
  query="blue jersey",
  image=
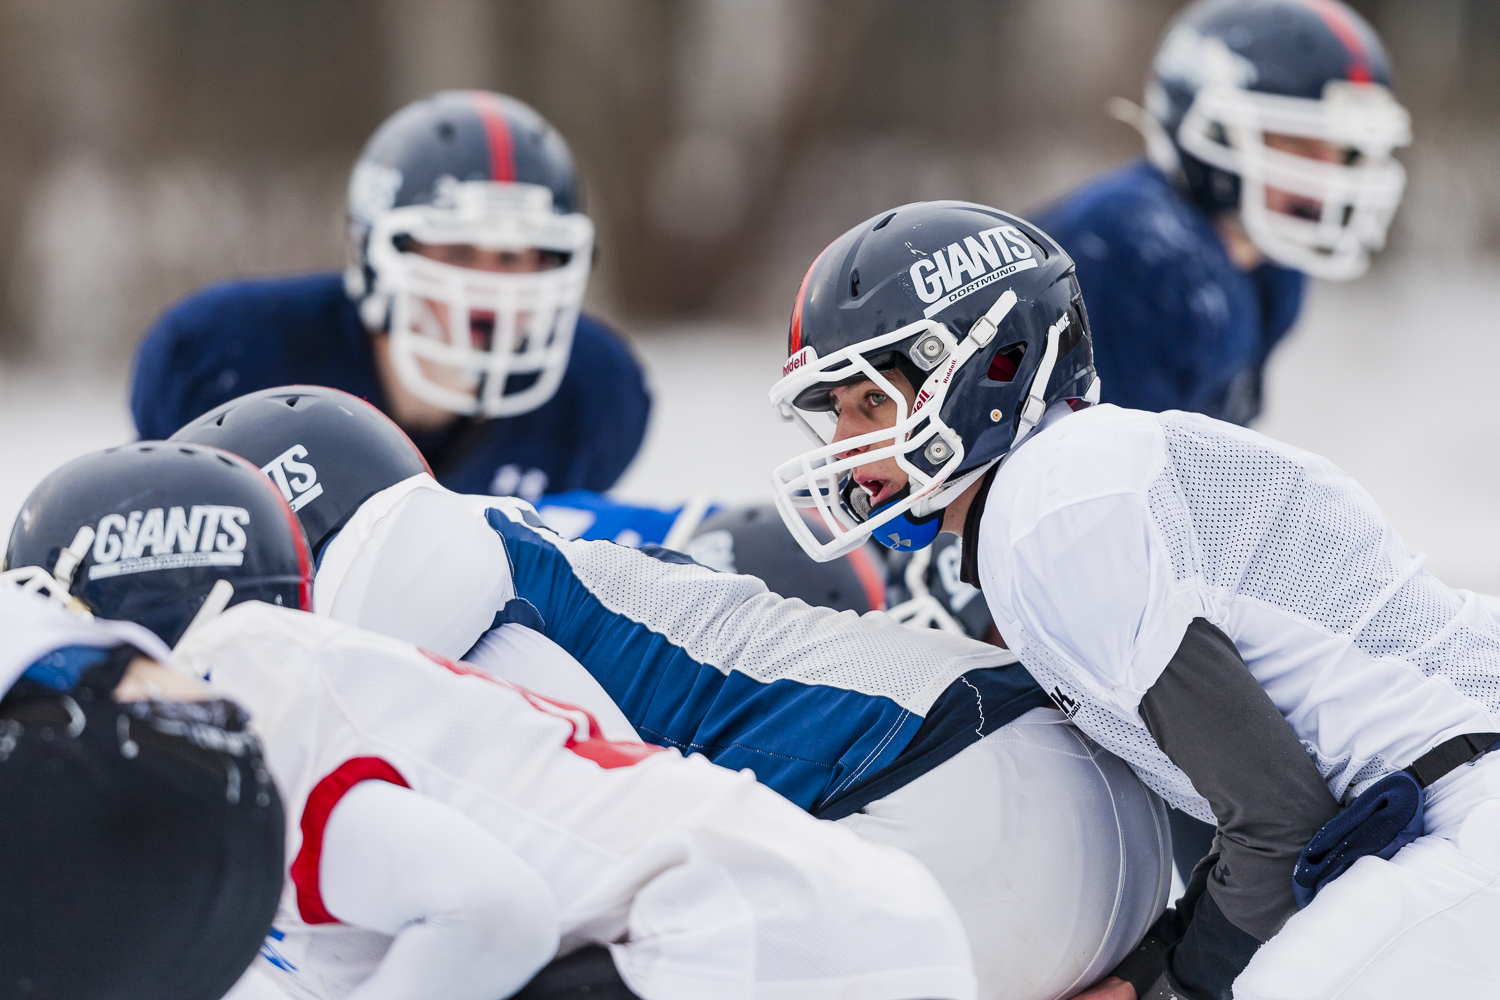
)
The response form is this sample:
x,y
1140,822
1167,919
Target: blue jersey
x,y
240,336
590,516
1175,324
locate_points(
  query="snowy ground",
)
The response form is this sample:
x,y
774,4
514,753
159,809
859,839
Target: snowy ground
x,y
1393,377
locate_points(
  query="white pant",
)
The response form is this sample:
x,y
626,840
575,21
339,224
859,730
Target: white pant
x,y
1055,855
1424,924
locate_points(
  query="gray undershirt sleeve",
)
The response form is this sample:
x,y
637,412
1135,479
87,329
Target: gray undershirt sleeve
x,y
1209,715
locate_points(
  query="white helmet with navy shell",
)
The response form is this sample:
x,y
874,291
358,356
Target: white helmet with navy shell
x,y
979,310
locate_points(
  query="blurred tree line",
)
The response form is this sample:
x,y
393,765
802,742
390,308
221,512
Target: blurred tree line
x,y
156,145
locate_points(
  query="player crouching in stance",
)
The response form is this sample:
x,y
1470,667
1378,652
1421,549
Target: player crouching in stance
x,y
448,833
1052,851
142,837
1231,615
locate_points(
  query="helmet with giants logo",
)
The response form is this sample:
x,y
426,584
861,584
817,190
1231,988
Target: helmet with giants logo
x,y
327,451
1240,89
979,310
143,532
469,168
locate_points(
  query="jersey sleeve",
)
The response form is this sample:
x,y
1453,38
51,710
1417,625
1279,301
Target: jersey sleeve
x,y
471,920
415,563
813,700
614,403
1092,583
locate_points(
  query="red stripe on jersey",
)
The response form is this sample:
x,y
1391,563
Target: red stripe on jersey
x,y
497,134
320,802
587,740
1337,18
794,337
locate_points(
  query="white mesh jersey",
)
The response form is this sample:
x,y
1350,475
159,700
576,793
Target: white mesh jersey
x,y
1107,533
704,883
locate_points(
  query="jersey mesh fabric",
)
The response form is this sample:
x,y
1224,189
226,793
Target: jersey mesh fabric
x,y
1297,564
734,624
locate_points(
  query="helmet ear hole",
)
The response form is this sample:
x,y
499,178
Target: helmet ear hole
x,y
1006,363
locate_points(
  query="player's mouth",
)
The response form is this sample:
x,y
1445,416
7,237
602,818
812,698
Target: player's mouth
x,y
881,490
481,330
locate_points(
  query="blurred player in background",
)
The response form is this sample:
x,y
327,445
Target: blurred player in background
x,y
458,314
1053,853
1232,615
1269,129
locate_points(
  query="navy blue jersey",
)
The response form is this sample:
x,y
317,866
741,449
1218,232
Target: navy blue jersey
x,y
239,336
1176,326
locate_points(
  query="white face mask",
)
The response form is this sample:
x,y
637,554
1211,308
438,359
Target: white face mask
x,y
816,477
460,336
1226,127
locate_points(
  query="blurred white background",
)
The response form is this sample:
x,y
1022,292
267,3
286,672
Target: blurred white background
x,y
156,145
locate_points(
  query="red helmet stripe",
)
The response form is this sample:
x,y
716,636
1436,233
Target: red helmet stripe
x,y
1337,18
794,337
497,133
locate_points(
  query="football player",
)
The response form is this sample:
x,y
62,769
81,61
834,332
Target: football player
x,y
447,833
1231,615
1055,856
142,837
1269,127
457,315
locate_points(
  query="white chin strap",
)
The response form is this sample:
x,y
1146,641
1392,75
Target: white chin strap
x,y
54,585
1035,407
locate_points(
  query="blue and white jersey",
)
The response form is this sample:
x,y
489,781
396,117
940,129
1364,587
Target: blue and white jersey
x,y
241,336
832,709
1176,326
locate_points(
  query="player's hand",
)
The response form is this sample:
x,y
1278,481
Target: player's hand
x,y
1113,988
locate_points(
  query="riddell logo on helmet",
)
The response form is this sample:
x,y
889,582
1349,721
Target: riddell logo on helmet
x,y
960,270
297,481
802,358
178,538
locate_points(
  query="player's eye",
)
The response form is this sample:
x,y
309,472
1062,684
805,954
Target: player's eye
x,y
876,400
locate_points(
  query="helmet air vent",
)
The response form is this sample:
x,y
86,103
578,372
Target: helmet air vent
x,y
884,222
854,283
1006,362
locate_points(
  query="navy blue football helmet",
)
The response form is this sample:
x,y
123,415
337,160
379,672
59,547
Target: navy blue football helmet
x,y
144,531
1239,91
327,451
469,168
982,314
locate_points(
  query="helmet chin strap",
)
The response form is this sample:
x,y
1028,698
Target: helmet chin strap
x,y
1035,406
980,335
